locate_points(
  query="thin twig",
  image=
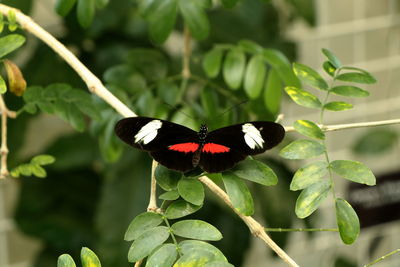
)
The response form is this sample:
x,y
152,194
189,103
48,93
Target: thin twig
x,y
153,196
301,229
255,227
138,263
337,127
3,149
383,257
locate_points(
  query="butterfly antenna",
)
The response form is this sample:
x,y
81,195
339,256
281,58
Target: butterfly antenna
x,y
177,109
232,107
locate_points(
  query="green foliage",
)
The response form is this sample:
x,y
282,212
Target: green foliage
x,y
34,167
196,229
180,208
164,256
3,86
12,21
142,223
238,193
65,260
10,43
311,178
61,99
191,190
85,9
88,259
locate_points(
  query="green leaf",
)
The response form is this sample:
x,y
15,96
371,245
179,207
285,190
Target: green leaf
x,y
255,76
43,160
329,68
179,209
9,43
303,98
191,190
347,221
3,86
218,264
311,197
309,76
250,46
332,58
38,171
162,20
164,256
196,258
192,246
302,149
209,101
281,64
255,171
350,91
12,21
308,175
89,258
142,223
212,62
1,22
63,7
195,18
85,12
273,92
147,242
170,195
338,106
238,193
354,171
357,77
376,141
233,68
309,129
166,178
196,229
65,260
102,3
25,169
229,3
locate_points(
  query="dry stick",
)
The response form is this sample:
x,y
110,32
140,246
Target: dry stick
x,y
3,149
96,87
153,197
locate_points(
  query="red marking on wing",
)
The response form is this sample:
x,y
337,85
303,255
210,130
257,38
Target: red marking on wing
x,y
215,148
184,147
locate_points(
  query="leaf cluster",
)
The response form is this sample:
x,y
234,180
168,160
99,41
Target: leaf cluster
x,y
312,178
34,167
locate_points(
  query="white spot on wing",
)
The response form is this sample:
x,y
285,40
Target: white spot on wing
x,y
252,136
148,132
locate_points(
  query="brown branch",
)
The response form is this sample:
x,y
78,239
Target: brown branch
x,y
5,113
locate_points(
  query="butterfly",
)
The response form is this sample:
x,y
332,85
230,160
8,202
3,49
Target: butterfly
x,y
182,149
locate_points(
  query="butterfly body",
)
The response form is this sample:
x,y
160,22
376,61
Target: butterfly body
x,y
180,148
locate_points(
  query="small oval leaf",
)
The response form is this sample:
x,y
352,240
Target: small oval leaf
x,y
303,98
308,175
311,197
332,58
273,92
196,229
166,178
180,208
142,223
85,12
338,106
65,260
147,242
354,171
3,86
165,12
43,159
212,62
191,246
255,76
89,258
350,91
329,68
9,43
233,68
302,149
357,77
309,76
347,221
191,190
195,18
255,171
238,193
309,129
165,256
63,7
170,195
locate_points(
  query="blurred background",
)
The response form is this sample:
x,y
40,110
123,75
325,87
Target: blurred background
x,y
92,192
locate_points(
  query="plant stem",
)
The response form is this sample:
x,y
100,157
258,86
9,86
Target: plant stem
x,y
301,229
383,257
153,196
172,236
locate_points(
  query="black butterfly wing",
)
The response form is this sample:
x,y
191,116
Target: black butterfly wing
x,y
171,144
226,146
